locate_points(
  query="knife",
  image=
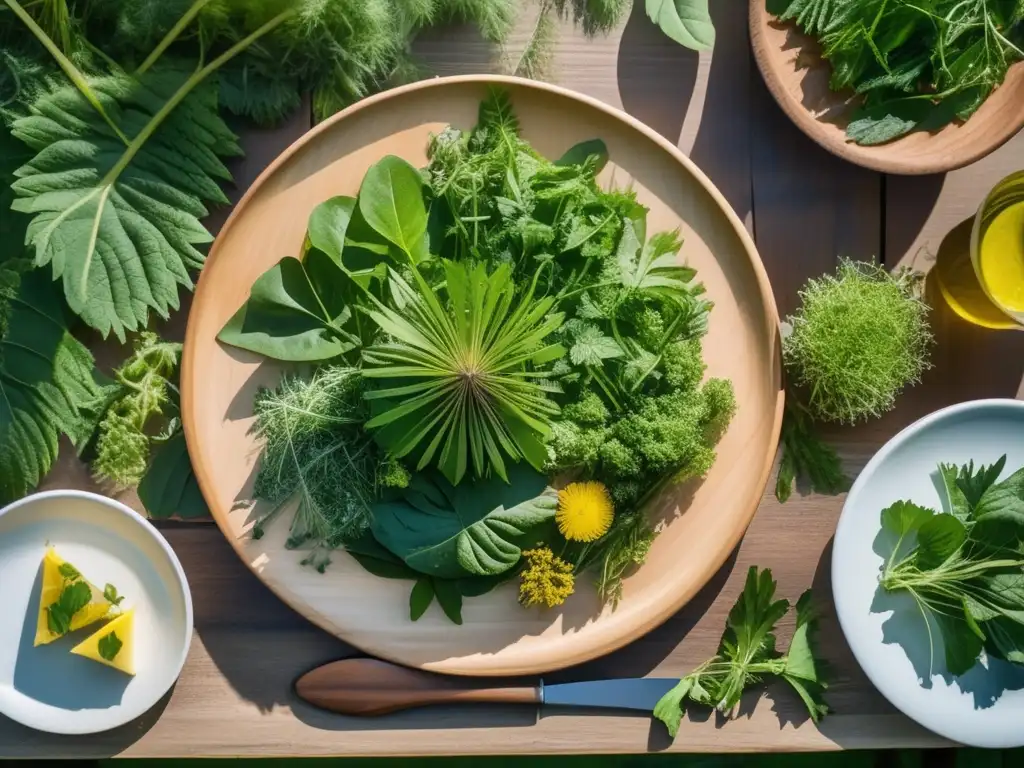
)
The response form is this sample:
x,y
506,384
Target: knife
x,y
372,687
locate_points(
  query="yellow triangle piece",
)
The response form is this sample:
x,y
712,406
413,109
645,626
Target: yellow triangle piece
x,y
102,645
53,585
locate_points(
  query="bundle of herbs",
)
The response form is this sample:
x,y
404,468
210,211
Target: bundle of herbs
x,y
504,368
915,65
964,566
859,338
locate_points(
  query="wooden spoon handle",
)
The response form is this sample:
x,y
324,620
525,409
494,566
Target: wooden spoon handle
x,y
372,687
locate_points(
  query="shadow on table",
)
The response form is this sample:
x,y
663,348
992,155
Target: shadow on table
x,y
656,75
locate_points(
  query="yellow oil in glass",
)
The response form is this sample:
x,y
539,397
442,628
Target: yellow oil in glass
x,y
1001,258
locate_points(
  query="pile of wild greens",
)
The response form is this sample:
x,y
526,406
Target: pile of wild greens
x,y
916,65
478,330
964,567
115,137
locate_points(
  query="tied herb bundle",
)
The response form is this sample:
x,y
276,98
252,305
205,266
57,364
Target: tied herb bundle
x,y
964,567
476,329
747,656
916,66
858,339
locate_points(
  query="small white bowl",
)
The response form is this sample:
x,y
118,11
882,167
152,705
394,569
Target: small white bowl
x,y
985,706
50,689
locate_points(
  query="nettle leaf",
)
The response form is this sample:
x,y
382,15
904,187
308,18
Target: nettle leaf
x,y
578,154
47,384
591,346
903,517
688,22
887,120
119,223
472,529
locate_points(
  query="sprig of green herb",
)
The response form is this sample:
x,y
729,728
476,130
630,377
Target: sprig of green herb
x,y
74,596
964,569
747,655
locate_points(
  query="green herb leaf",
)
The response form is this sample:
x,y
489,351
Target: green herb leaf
x,y
73,598
578,154
804,454
69,572
958,505
109,646
449,597
671,706
391,201
961,644
473,528
421,597
1003,502
591,346
685,21
903,517
111,596
880,123
169,486
295,312
119,224
938,538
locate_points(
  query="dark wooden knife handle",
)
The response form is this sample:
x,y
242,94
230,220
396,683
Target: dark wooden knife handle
x,y
372,687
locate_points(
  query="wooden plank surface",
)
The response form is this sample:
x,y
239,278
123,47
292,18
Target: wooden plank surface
x,y
805,208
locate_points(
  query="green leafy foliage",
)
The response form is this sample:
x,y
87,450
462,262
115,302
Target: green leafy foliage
x,y
964,568
688,22
917,66
471,529
109,593
467,374
747,655
47,380
118,221
859,338
145,384
169,486
110,645
806,455
74,596
317,459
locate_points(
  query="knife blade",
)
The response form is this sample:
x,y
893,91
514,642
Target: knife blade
x,y
372,687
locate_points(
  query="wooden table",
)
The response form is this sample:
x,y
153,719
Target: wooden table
x,y
805,208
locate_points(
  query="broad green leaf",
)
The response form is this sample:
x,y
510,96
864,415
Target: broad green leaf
x,y
391,201
903,517
296,312
476,528
938,538
1005,639
1003,502
378,560
449,597
961,644
119,224
328,224
669,708
578,154
169,486
881,123
421,597
688,22
48,384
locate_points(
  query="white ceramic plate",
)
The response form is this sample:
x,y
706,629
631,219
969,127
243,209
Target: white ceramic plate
x,y
49,688
985,706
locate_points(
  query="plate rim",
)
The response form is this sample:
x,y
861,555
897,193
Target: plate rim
x,y
129,714
862,156
880,682
667,609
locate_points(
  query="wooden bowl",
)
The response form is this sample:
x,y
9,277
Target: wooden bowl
x,y
798,78
704,520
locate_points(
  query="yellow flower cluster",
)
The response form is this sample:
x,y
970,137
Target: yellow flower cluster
x,y
547,580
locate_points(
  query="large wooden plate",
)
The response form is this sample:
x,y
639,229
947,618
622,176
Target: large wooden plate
x,y
704,521
798,78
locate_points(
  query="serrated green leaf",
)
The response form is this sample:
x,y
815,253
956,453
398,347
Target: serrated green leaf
x,y
119,224
591,346
109,646
688,22
47,381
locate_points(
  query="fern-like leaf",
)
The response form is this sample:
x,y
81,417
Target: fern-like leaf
x,y
119,224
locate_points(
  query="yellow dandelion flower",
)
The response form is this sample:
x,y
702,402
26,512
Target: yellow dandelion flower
x,y
546,581
584,511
